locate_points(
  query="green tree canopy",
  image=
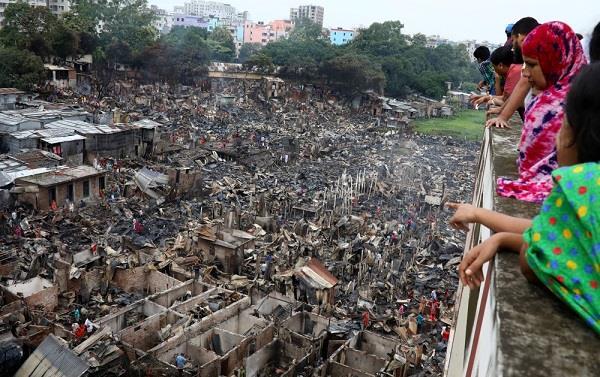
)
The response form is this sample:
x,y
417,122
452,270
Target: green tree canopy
x,y
20,68
353,73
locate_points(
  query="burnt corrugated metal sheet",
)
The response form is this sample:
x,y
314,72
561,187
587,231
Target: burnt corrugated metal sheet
x,y
53,358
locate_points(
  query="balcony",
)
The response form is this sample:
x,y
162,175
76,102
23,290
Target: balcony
x,y
510,327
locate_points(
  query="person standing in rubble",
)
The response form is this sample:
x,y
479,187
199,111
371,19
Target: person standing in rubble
x,y
365,320
180,361
445,334
420,321
138,228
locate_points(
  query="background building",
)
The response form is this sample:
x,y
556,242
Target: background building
x,y
264,33
208,23
163,21
341,36
314,13
227,14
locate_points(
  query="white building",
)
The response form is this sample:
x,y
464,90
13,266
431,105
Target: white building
x,y
314,13
163,21
226,13
58,7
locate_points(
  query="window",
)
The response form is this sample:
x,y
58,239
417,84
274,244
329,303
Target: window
x,y
86,189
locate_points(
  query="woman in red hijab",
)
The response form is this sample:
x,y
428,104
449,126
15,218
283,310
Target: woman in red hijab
x,y
553,56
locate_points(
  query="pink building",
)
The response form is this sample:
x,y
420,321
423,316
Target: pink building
x,y
264,33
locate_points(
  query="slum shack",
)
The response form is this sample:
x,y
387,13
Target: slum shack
x,y
8,98
68,147
119,141
315,283
225,246
81,183
35,292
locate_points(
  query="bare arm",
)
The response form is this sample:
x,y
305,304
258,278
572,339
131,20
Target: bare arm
x,y
515,101
470,271
497,222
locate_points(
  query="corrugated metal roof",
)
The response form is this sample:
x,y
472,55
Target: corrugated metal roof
x,y
11,164
11,120
146,123
53,358
63,139
317,275
85,128
47,133
11,91
62,175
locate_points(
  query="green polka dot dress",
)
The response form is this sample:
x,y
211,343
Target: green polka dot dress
x,y
564,240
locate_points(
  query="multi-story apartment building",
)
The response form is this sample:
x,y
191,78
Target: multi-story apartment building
x,y
264,33
59,7
314,13
163,21
340,36
226,13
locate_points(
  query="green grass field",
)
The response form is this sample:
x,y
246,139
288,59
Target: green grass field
x,y
468,123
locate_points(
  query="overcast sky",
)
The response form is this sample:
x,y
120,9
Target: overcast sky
x,y
453,19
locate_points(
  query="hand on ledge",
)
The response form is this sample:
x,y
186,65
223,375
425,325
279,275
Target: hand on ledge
x,y
497,122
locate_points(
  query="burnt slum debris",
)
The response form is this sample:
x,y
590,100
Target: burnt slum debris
x,y
278,235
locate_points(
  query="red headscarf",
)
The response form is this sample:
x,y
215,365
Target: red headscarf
x,y
556,46
561,57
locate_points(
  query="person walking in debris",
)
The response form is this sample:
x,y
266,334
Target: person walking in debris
x,y
365,320
420,321
434,295
422,304
89,326
77,315
445,334
137,226
180,361
433,311
268,266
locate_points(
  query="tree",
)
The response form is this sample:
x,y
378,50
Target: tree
x,y
247,50
65,42
261,61
126,21
352,73
223,48
381,39
306,30
180,57
27,27
20,68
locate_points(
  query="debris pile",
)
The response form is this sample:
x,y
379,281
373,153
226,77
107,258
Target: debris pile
x,y
230,218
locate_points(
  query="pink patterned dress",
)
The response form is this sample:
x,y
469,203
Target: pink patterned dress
x,y
561,57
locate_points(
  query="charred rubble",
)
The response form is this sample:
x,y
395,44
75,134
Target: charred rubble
x,y
258,232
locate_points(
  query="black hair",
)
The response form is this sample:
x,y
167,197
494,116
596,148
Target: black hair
x,y
525,26
583,113
482,53
502,55
595,44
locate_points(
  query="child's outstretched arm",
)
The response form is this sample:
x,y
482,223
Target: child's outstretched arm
x,y
466,214
470,271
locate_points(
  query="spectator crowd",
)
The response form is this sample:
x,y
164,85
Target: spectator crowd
x,y
543,73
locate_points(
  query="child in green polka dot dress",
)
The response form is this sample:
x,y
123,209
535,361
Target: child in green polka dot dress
x,y
560,247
